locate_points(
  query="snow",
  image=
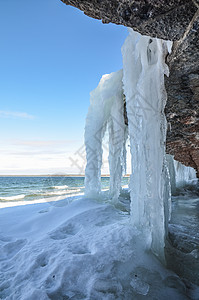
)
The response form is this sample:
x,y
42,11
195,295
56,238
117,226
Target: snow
x,y
78,249
143,77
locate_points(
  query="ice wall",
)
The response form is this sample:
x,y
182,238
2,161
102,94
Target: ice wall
x,y
184,175
106,110
143,77
180,175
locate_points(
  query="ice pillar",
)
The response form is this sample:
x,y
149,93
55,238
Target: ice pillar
x,y
106,110
117,146
143,77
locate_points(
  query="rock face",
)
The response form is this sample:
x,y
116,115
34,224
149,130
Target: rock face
x,y
183,94
176,20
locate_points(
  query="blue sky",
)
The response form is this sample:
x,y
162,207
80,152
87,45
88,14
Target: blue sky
x,y
52,56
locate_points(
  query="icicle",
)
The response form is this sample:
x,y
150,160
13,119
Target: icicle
x,y
117,145
143,78
106,107
124,155
180,175
172,175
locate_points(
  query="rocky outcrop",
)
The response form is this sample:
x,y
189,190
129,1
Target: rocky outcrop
x,y
176,20
183,96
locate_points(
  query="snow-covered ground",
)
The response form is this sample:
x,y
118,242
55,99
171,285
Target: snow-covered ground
x,y
79,248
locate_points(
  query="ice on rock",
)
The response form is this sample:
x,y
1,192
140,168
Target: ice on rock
x,y
143,77
106,110
180,175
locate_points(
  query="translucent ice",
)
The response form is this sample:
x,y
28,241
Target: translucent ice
x,y
106,110
143,85
143,77
117,148
180,175
183,174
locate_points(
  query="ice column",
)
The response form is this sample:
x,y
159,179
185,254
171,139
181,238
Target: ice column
x,y
106,110
117,147
143,78
171,167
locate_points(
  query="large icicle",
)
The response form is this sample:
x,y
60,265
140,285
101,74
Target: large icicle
x,y
106,108
143,78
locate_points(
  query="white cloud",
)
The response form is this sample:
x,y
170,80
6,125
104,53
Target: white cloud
x,y
15,114
42,143
39,157
20,157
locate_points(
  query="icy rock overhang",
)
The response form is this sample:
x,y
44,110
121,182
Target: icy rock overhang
x,y
142,82
177,21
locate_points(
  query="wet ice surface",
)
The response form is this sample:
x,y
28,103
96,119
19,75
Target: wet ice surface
x,y
81,249
184,233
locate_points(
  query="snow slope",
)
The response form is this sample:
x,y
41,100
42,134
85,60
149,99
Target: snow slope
x,y
83,249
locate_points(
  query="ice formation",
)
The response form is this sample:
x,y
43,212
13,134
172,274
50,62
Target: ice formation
x,y
143,84
106,111
180,175
184,175
143,77
117,147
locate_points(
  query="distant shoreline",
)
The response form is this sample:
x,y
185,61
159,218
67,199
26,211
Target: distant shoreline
x,y
58,175
42,175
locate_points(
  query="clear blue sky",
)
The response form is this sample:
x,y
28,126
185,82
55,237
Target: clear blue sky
x,y
52,56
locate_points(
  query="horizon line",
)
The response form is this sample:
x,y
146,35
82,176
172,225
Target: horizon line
x,y
55,175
